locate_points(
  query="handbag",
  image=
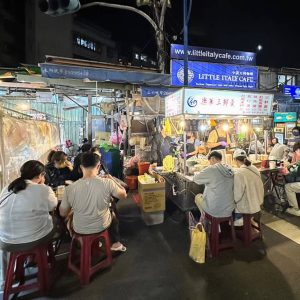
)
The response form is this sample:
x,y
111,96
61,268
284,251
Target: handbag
x,y
198,243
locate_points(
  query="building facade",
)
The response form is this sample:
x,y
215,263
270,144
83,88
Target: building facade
x,y
77,38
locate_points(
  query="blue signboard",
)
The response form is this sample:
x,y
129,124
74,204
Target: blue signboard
x,y
215,75
292,90
285,117
214,55
156,91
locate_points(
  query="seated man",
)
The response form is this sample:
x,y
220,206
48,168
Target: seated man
x,y
293,186
90,197
218,200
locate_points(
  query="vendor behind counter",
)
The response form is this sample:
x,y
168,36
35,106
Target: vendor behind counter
x,y
218,138
161,146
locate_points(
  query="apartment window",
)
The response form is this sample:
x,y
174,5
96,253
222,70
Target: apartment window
x,y
286,79
144,58
86,43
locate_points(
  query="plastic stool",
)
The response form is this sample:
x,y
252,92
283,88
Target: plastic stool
x,y
15,270
214,239
87,243
250,231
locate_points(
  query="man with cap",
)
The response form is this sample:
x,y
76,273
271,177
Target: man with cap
x,y
248,187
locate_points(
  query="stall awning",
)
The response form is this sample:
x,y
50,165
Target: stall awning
x,y
104,75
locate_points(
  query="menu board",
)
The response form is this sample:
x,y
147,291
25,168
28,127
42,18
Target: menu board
x,y
173,104
213,102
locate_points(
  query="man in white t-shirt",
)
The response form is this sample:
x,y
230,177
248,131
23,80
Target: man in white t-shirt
x,y
90,197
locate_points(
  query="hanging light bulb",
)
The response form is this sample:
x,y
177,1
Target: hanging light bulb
x,y
225,127
244,128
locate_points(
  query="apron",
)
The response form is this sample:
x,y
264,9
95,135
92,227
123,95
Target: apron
x,y
220,139
190,147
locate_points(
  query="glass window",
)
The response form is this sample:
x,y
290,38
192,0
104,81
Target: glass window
x,y
286,79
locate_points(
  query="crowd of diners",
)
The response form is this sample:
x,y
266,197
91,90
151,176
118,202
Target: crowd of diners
x,y
26,203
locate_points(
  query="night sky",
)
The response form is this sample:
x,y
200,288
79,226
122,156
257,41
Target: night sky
x,y
228,24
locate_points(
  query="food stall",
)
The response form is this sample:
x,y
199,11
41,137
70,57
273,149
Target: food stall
x,y
192,109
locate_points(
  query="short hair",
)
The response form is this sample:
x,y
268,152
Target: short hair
x,y
276,139
90,160
86,147
217,155
59,156
296,146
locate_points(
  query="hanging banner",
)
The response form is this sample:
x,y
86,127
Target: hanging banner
x,y
214,102
173,104
215,75
214,55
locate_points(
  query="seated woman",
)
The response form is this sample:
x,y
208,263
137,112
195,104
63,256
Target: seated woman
x,y
248,187
49,167
25,204
62,170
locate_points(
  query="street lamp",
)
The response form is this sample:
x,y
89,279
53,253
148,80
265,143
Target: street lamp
x,y
259,47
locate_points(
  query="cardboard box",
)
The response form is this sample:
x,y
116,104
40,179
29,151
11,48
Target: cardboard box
x,y
153,195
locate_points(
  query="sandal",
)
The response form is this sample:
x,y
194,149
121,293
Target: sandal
x,y
121,248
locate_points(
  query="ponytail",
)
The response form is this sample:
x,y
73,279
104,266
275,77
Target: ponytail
x,y
31,169
247,162
244,160
17,185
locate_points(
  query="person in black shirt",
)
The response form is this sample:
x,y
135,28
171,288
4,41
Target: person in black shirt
x,y
77,173
62,169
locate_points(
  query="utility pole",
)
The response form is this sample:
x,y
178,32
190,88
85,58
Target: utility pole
x,y
57,8
160,8
185,42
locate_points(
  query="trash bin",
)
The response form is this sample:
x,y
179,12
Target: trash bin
x,y
112,161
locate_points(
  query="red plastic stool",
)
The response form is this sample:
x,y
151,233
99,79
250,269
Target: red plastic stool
x,y
250,231
214,238
87,243
15,270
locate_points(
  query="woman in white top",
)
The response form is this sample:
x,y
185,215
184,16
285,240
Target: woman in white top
x,y
248,186
24,210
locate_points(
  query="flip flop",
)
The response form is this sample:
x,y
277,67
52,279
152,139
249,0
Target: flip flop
x,y
121,248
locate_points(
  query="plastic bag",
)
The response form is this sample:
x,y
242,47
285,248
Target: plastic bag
x,y
198,242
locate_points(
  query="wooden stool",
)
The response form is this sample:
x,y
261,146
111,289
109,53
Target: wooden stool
x,y
214,239
15,270
89,245
250,231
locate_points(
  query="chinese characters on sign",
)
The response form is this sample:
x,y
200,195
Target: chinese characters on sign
x,y
227,102
173,104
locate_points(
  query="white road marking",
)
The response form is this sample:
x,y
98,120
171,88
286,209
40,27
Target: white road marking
x,y
285,228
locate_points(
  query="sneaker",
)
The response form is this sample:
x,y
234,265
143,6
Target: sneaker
x,y
293,211
238,222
